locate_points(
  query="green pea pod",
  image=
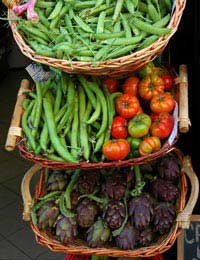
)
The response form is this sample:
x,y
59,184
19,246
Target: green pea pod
x,y
56,10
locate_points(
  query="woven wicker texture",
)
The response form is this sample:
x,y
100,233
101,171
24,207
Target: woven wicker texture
x,y
80,247
110,67
44,162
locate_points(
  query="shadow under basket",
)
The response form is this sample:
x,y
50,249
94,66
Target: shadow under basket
x,y
110,67
79,246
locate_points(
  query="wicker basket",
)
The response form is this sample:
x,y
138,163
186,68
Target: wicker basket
x,y
80,247
15,130
109,67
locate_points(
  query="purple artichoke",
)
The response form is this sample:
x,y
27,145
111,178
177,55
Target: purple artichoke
x,y
115,214
141,211
66,229
47,215
87,210
164,190
126,239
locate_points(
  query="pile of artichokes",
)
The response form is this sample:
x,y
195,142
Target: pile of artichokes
x,y
127,207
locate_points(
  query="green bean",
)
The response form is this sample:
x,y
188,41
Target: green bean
x,y
95,88
111,112
126,26
96,125
44,4
54,157
63,152
118,52
150,28
81,23
38,111
96,113
56,10
69,121
99,142
58,99
46,86
33,95
105,36
87,90
118,9
84,139
154,15
64,83
82,102
25,103
124,41
100,24
44,137
32,114
70,100
75,127
25,127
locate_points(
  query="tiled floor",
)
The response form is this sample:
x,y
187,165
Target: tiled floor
x,y
17,241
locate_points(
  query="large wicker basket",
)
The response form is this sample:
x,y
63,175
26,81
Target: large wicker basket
x,y
15,133
111,67
80,247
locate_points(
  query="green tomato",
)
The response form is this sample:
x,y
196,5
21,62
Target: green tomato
x,y
145,71
134,142
139,125
134,154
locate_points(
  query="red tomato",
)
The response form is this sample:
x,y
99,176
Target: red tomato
x,y
168,81
162,103
111,84
162,125
149,144
130,86
116,150
127,106
119,128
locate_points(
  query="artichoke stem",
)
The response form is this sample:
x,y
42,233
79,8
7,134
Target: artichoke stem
x,y
70,187
139,184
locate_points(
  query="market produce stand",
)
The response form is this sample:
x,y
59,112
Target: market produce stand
x,y
121,55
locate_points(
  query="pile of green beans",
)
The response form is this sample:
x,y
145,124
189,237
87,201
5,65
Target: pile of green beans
x,y
92,31
68,118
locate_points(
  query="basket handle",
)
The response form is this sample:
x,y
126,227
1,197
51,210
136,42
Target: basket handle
x,y
184,121
185,216
25,190
15,129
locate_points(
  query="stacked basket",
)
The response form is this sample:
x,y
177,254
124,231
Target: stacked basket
x,y
112,67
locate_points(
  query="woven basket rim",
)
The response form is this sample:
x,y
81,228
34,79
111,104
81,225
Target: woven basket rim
x,y
159,247
44,162
109,65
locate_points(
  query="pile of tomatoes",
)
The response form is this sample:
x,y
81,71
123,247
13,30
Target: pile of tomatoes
x,y
143,113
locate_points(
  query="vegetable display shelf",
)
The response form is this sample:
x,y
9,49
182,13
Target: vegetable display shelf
x,y
111,66
15,133
79,245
